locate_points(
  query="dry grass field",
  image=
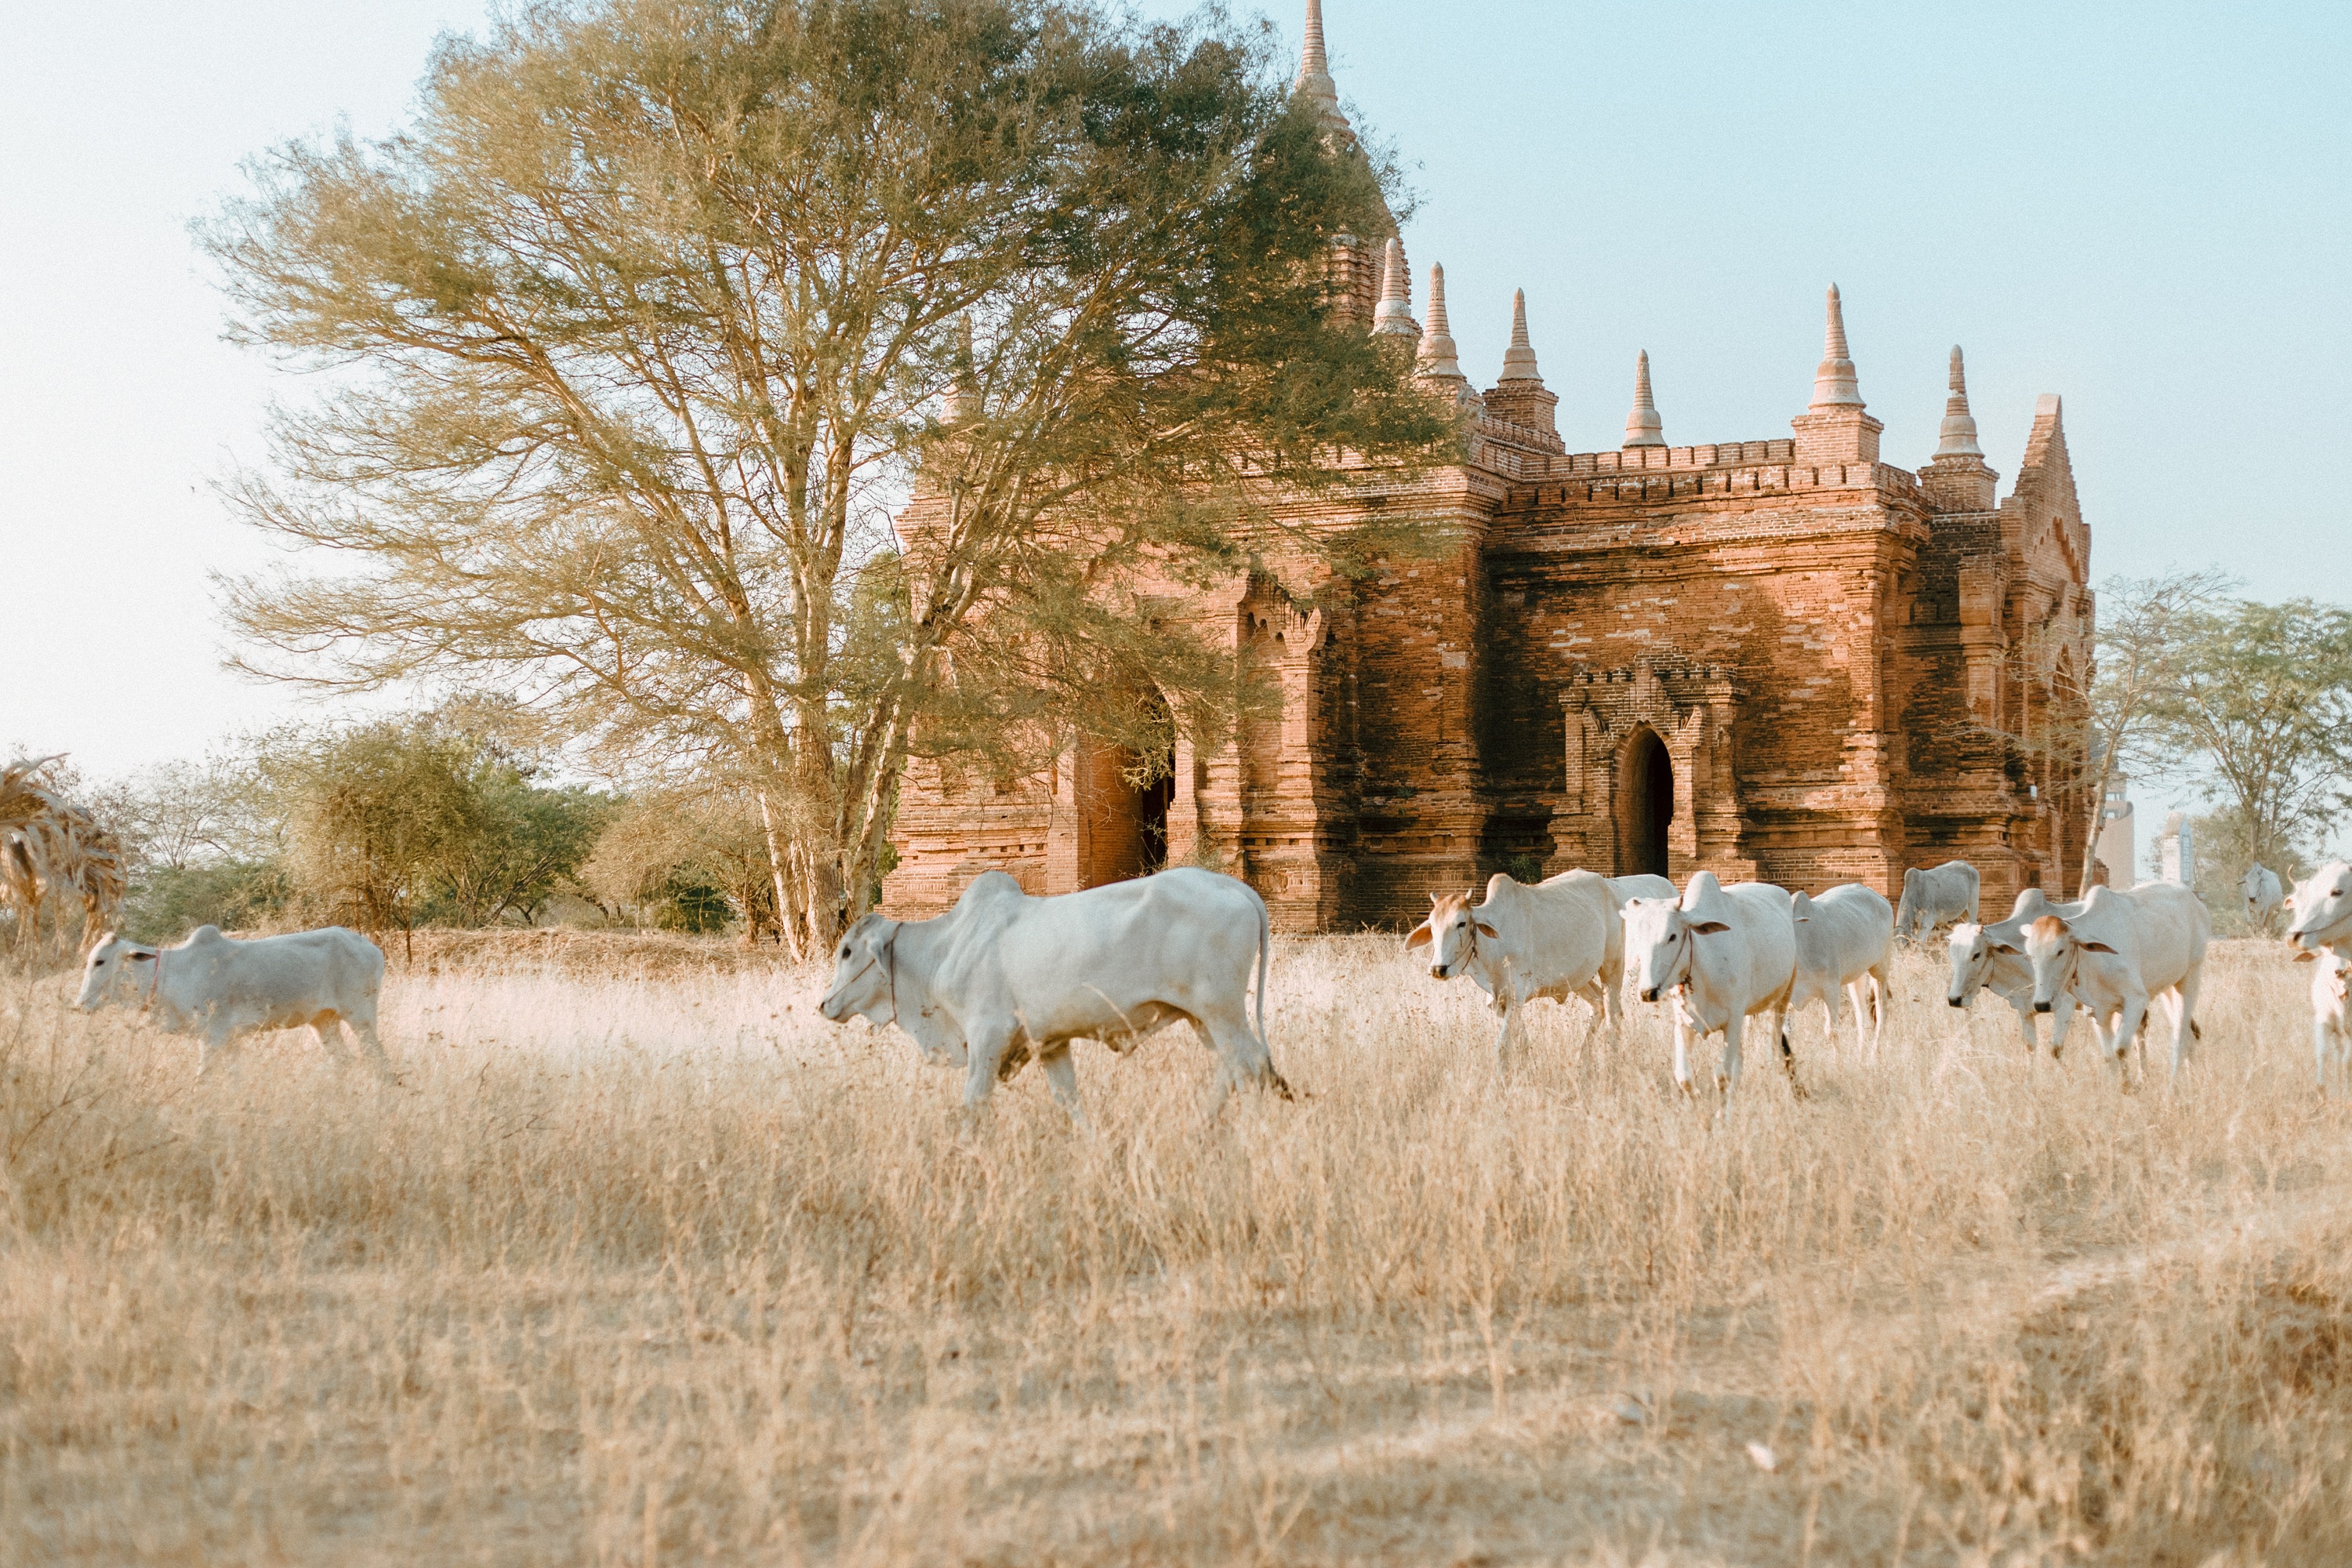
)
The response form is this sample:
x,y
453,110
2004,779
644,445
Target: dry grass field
x,y
663,1269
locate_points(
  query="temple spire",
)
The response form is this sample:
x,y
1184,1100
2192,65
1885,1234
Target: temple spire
x,y
1315,72
1394,316
1959,432
1437,357
1834,383
1643,426
1519,359
963,391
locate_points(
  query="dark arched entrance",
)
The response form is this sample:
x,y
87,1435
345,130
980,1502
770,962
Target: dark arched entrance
x,y
1126,794
1645,805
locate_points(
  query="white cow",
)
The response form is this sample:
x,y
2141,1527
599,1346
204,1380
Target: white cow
x,y
2331,1029
1559,939
1725,954
1003,976
217,987
1846,942
1640,885
2264,895
1992,958
2122,950
2322,910
1934,894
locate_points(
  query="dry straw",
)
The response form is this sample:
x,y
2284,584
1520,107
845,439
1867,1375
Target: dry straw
x,y
666,1270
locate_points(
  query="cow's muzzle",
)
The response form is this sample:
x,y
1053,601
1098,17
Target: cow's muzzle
x,y
1437,972
2042,1006
1956,1001
1651,995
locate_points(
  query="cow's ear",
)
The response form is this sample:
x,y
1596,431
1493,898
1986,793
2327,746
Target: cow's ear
x,y
1420,938
1709,928
1485,930
2003,947
2094,947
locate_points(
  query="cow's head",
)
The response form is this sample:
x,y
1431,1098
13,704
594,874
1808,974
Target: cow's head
x,y
865,973
1973,947
2250,887
115,968
2055,949
1451,933
2323,905
1658,937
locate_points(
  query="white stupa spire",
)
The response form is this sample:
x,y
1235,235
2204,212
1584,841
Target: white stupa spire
x,y
1834,383
1959,432
1519,359
1437,356
1643,426
1394,315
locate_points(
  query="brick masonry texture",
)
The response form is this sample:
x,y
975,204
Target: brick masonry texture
x,y
1779,659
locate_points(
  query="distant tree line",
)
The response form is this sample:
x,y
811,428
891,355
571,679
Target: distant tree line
x,y
2246,704
421,820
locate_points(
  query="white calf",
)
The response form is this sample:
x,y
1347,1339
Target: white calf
x,y
2331,1030
2123,950
1556,940
2264,895
1992,958
1934,894
1725,954
218,987
1845,940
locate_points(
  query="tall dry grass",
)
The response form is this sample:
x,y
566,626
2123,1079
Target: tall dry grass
x,y
669,1270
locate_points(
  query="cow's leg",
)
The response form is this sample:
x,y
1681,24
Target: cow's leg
x,y
1882,997
1607,1013
1727,1076
984,1051
361,1021
328,1031
1062,1078
1511,1011
214,1045
2061,1018
2184,1022
1779,1016
1242,1059
2025,1006
1681,1052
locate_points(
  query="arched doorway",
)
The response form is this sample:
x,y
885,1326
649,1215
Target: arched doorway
x,y
1646,804
1126,794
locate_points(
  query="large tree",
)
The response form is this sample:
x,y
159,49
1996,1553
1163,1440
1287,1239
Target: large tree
x,y
2263,694
661,307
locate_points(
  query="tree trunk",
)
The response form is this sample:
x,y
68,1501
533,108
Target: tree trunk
x,y
2098,821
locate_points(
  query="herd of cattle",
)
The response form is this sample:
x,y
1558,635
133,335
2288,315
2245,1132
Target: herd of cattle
x,y
1003,976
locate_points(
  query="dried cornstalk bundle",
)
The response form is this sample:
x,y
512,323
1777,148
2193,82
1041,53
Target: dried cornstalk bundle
x,y
49,845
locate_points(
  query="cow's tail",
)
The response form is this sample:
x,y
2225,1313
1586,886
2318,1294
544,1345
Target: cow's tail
x,y
1265,951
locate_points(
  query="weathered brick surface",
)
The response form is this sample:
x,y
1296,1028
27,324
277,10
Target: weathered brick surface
x,y
1781,658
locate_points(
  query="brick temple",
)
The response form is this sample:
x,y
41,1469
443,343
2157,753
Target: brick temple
x,y
1779,659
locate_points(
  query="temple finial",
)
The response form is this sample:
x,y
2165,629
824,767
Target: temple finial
x,y
1393,316
962,400
1519,359
1834,382
1437,357
1642,426
1315,70
1959,432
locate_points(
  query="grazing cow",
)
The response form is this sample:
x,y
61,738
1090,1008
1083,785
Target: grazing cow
x,y
1934,894
2331,1029
2322,910
217,987
1003,976
2264,895
2123,950
1846,942
1559,939
1992,958
1725,954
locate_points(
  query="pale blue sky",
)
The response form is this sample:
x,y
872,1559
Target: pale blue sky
x,y
2146,208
